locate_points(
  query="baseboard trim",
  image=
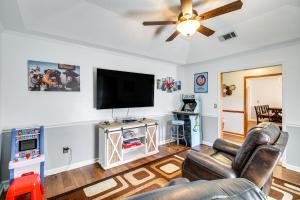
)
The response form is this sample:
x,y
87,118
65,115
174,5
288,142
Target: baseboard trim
x,y
81,164
70,167
207,143
291,167
235,134
1,190
4,185
165,142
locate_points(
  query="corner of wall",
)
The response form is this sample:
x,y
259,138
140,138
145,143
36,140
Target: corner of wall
x,y
1,30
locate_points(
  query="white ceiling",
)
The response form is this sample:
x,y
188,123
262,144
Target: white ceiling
x,y
117,25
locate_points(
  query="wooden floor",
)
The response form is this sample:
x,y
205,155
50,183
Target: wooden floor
x,y
287,175
280,172
232,137
68,181
237,138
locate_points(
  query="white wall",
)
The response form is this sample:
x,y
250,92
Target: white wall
x,y
69,117
234,122
0,101
287,55
23,107
264,91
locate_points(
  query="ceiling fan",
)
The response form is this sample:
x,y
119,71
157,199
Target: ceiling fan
x,y
189,22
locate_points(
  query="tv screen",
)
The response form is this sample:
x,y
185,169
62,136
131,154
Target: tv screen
x,y
117,89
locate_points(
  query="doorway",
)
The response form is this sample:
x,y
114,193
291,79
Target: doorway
x,y
244,91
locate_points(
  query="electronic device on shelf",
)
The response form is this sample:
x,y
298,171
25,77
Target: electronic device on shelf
x,y
27,152
117,89
126,120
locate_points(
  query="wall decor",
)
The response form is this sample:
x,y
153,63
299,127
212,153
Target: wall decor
x,y
46,76
168,84
201,82
228,89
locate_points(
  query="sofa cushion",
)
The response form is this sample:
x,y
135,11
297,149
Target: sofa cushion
x,y
270,129
207,167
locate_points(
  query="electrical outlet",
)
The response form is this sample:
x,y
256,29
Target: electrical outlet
x,y
66,150
215,105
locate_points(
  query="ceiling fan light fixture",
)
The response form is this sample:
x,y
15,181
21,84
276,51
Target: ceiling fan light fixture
x,y
188,27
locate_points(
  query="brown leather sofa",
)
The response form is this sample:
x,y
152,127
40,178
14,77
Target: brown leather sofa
x,y
182,189
255,160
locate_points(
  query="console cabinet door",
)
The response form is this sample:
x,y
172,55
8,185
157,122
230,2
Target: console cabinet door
x,y
151,138
114,147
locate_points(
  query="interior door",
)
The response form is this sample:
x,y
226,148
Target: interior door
x,y
114,147
151,139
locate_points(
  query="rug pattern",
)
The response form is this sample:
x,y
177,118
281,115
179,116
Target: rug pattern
x,y
156,175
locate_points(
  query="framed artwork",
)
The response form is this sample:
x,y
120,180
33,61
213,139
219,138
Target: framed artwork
x,y
45,76
168,84
201,82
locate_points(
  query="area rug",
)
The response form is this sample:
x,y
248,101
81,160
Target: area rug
x,y
156,175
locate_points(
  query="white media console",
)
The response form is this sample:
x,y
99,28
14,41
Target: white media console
x,y
112,141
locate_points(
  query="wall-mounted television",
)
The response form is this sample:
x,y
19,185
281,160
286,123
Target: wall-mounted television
x,y
118,89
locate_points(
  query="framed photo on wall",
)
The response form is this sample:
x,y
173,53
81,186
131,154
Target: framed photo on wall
x,y
201,82
46,76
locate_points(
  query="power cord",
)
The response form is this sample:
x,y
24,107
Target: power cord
x,y
71,156
68,150
127,112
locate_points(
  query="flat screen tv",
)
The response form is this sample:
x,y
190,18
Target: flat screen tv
x,y
118,89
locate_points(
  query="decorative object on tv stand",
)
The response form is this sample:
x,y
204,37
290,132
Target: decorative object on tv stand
x,y
168,84
45,76
201,82
228,89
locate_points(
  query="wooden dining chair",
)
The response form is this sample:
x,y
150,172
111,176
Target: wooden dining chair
x,y
262,112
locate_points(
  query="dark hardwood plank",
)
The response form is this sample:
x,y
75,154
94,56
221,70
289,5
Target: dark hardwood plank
x,y
65,182
70,181
287,175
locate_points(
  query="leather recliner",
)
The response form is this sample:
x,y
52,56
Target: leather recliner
x,y
255,160
182,189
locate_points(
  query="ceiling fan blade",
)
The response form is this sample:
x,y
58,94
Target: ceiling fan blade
x,y
222,10
201,2
159,30
151,23
187,8
205,31
174,35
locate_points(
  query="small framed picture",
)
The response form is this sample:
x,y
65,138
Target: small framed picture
x,y
201,82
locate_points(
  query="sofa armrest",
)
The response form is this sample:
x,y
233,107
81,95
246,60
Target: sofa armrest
x,y
211,165
178,181
266,156
227,147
